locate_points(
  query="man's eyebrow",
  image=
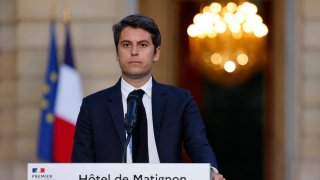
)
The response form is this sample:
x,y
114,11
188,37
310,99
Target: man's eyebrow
x,y
144,41
124,41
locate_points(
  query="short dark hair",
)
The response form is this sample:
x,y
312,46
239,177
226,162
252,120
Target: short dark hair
x,y
137,21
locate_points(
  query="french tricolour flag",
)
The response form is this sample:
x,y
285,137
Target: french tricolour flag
x,y
67,106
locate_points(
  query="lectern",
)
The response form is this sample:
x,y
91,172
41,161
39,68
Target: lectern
x,y
118,171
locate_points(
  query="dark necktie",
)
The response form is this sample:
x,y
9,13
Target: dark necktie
x,y
140,132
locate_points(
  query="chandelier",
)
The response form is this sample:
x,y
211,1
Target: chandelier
x,y
227,42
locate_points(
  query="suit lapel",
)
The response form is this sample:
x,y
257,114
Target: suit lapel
x,y
158,102
116,110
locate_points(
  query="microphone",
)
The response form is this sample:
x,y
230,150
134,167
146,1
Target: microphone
x,y
130,120
131,115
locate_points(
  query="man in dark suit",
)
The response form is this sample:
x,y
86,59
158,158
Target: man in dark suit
x,y
172,116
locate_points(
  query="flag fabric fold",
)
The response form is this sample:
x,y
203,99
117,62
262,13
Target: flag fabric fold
x,y
67,106
45,140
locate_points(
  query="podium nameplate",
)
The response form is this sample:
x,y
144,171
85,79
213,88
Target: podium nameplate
x,y
118,171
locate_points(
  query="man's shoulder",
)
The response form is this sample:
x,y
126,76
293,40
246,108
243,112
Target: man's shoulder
x,y
171,87
173,90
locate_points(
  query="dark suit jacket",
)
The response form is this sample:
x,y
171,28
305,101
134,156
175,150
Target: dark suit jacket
x,y
100,132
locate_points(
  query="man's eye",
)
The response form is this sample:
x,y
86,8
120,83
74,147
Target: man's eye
x,y
125,45
143,44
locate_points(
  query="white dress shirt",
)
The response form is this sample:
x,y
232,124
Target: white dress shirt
x,y
126,88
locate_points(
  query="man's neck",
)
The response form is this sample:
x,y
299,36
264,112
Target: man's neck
x,y
137,83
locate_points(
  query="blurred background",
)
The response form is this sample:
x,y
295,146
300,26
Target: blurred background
x,y
257,86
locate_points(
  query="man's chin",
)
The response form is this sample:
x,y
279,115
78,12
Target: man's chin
x,y
137,75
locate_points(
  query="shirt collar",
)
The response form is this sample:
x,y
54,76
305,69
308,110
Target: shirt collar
x,y
126,88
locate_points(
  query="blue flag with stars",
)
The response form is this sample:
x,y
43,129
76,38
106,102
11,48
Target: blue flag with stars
x,y
45,141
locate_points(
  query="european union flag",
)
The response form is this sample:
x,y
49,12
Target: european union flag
x,y
48,100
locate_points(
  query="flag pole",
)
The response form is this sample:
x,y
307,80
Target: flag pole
x,y
66,15
53,10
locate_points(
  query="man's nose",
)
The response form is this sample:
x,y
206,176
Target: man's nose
x,y
134,50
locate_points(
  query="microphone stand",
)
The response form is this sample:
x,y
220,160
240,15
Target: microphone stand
x,y
124,152
129,128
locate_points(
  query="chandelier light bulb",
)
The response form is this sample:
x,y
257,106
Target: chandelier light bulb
x,y
229,66
215,7
260,30
193,31
198,19
206,9
249,8
221,27
242,59
215,17
247,28
216,59
231,7
208,18
228,17
239,17
235,28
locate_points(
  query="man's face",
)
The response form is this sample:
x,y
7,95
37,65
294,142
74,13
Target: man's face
x,y
136,53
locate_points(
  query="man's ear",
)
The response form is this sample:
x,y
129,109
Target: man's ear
x,y
156,55
117,57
